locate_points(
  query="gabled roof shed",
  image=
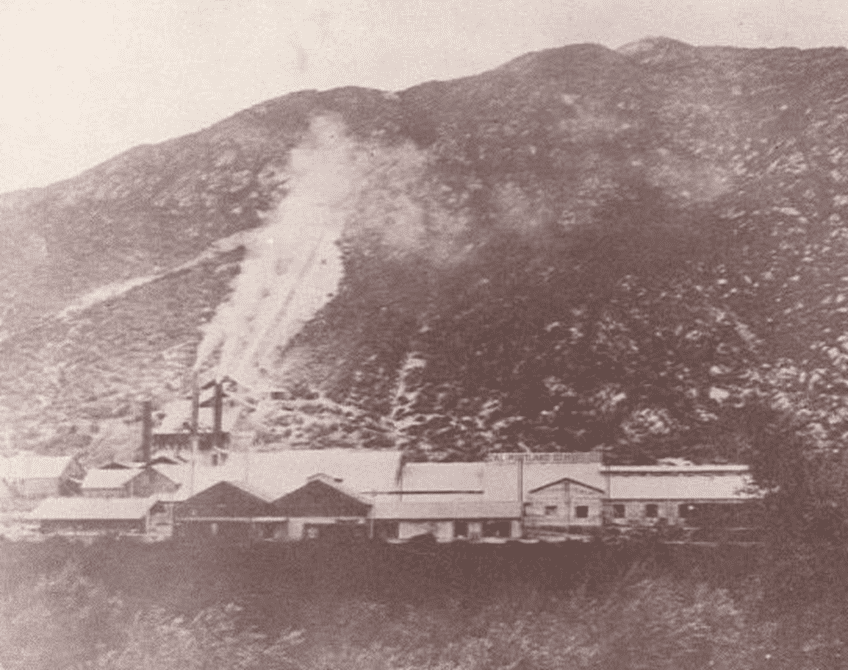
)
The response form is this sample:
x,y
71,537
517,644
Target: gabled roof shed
x,y
226,500
323,496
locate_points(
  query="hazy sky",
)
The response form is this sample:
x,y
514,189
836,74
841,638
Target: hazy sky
x,y
83,80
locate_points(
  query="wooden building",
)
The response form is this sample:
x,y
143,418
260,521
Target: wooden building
x,y
308,494
676,495
563,506
126,483
97,515
451,501
231,512
324,507
28,475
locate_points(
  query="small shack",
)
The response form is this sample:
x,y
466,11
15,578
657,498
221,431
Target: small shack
x,y
28,475
97,515
126,483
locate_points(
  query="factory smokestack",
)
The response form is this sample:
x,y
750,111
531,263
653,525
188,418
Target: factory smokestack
x,y
146,431
218,411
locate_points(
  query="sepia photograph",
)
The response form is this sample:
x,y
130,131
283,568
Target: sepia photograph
x,y
424,335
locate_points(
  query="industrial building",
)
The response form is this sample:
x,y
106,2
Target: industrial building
x,y
306,494
677,494
28,475
140,482
98,515
219,494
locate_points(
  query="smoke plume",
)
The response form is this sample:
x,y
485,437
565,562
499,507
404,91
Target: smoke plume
x,y
336,188
292,262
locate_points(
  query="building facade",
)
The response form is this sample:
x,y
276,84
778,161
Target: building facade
x,y
127,483
102,515
563,506
312,494
324,508
229,512
677,495
28,475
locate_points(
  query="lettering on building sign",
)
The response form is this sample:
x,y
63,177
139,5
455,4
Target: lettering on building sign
x,y
551,457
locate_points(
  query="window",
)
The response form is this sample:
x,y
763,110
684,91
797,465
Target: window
x,y
581,511
686,510
460,529
618,511
550,510
652,510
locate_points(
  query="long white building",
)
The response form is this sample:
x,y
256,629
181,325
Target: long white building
x,y
301,494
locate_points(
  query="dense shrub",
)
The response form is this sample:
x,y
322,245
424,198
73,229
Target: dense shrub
x,y
155,640
117,607
69,622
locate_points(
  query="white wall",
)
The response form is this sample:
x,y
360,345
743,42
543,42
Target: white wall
x,y
566,497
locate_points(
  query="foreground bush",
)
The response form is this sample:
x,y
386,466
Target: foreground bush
x,y
155,641
651,617
654,624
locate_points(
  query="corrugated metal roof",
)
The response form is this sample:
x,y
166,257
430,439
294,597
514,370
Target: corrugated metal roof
x,y
276,473
496,479
536,475
443,477
109,479
33,466
673,469
362,471
72,509
672,486
340,487
570,480
119,465
250,490
391,509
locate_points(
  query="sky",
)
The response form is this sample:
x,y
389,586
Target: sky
x,y
83,80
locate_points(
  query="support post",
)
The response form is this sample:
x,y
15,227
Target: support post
x,y
521,493
195,412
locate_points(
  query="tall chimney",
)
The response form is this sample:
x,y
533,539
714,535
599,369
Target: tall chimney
x,y
218,411
146,431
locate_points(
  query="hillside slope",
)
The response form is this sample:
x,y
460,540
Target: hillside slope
x,y
581,248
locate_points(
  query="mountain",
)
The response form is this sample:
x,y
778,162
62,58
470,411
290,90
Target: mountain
x,y
582,248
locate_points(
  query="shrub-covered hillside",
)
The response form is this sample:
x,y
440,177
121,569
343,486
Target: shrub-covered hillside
x,y
582,248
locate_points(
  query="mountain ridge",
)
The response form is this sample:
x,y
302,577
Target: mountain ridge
x,y
601,244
